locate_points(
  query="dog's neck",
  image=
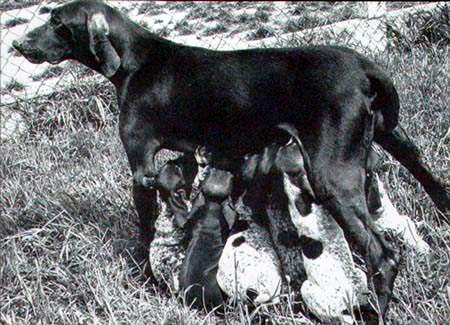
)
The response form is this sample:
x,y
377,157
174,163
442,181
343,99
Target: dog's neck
x,y
135,46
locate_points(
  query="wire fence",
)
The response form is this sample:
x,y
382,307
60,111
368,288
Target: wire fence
x,y
372,28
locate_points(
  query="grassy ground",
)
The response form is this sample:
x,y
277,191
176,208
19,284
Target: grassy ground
x,y
68,225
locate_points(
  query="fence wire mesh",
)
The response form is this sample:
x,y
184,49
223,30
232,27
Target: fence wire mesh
x,y
372,28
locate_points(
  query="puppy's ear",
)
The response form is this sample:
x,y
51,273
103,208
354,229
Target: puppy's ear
x,y
100,45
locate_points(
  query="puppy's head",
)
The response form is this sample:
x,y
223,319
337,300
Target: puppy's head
x,y
170,178
79,30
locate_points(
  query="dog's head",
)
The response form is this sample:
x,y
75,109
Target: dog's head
x,y
79,30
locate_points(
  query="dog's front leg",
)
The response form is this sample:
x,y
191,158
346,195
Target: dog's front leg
x,y
141,144
146,204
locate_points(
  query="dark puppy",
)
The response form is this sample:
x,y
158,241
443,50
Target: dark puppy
x,y
210,230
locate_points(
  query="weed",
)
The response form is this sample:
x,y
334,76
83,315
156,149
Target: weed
x,y
262,15
244,18
13,85
16,21
200,12
217,29
301,23
180,5
261,32
394,5
163,32
183,27
44,10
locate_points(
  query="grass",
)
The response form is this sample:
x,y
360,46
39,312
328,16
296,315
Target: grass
x,y
68,224
19,4
149,9
318,13
261,32
50,72
421,286
422,29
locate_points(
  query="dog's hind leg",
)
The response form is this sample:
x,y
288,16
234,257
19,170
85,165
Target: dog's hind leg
x,y
348,207
339,180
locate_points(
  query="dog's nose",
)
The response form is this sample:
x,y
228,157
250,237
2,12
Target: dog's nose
x,y
149,182
17,45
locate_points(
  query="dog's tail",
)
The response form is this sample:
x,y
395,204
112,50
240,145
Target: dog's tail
x,y
394,139
400,146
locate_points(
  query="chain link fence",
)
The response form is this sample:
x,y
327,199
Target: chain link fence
x,y
372,28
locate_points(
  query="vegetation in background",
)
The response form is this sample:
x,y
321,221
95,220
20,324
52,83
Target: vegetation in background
x,y
184,27
16,4
216,29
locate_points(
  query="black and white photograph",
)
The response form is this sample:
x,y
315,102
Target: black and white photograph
x,y
224,162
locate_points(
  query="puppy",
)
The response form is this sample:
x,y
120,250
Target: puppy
x,y
210,230
167,250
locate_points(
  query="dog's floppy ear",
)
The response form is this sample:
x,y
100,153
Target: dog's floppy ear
x,y
100,45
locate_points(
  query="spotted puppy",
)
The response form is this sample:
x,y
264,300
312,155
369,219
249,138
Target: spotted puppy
x,y
249,268
334,286
387,219
167,251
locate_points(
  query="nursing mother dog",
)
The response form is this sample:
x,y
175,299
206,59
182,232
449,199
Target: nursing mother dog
x,y
180,97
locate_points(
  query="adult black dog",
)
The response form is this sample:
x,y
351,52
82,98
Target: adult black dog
x,y
179,97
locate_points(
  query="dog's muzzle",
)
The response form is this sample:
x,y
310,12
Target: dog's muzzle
x,y
149,181
32,55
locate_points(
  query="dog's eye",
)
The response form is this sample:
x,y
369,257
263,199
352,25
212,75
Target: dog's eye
x,y
59,27
55,21
62,31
